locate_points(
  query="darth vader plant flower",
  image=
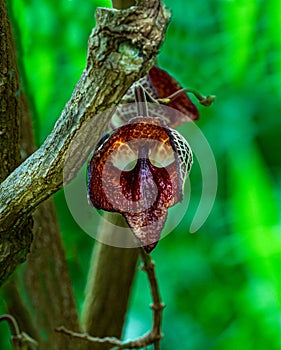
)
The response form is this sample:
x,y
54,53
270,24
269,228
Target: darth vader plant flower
x,y
139,172
140,169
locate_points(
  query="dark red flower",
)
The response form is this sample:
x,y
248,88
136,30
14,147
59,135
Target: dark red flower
x,y
139,171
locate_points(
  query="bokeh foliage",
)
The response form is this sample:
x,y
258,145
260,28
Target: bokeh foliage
x,y
222,285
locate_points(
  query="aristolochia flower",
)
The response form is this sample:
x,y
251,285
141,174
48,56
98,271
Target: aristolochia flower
x,y
139,172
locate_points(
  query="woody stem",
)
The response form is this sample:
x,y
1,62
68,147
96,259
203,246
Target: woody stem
x,y
157,305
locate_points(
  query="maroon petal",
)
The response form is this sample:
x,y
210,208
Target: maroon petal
x,y
165,85
160,85
139,172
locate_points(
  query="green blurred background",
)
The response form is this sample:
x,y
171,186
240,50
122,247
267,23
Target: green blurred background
x,y
222,285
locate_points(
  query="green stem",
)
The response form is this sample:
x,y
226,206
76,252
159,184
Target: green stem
x,y
203,100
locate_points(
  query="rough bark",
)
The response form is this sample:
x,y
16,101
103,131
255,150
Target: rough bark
x,y
47,281
46,276
9,98
15,244
108,288
121,48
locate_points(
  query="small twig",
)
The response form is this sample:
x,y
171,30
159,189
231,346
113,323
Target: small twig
x,y
86,336
12,324
203,100
19,340
141,342
152,337
157,306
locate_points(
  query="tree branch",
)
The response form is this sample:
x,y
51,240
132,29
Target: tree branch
x,y
13,245
9,96
121,49
46,279
152,337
